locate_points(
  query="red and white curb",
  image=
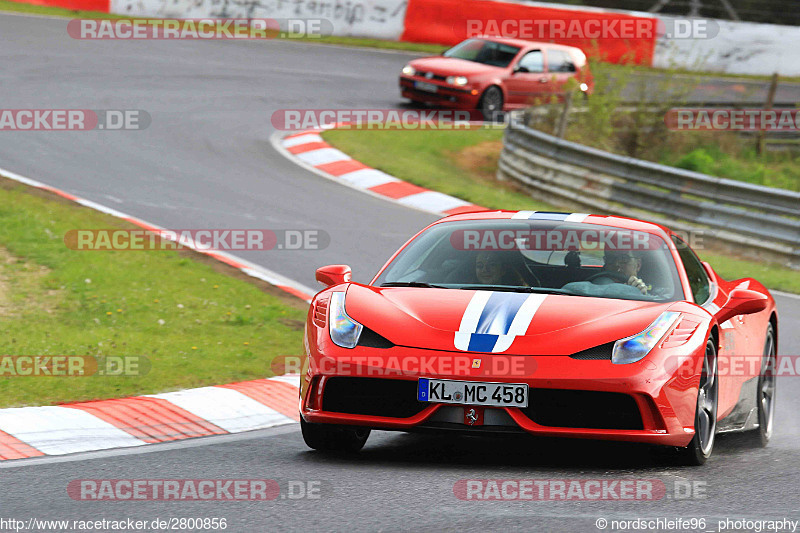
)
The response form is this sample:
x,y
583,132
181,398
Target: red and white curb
x,y
100,425
307,149
251,269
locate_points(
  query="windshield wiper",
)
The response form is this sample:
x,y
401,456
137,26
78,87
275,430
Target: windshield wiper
x,y
515,288
413,284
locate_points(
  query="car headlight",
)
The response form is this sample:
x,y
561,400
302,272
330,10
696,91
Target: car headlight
x,y
344,330
636,347
584,87
408,70
457,80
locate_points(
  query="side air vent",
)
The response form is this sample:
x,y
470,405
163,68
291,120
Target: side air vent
x,y
685,328
598,353
370,339
320,317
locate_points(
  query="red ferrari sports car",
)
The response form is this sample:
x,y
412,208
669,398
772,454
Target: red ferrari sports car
x,y
554,324
495,74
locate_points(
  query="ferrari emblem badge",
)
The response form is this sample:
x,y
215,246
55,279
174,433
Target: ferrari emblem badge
x,y
473,416
476,363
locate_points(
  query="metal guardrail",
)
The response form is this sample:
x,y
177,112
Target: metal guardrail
x,y
750,218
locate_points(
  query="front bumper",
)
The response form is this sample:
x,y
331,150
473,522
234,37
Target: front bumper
x,y
445,95
594,399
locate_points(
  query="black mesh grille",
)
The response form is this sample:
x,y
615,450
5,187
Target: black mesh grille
x,y
433,77
596,353
583,409
393,398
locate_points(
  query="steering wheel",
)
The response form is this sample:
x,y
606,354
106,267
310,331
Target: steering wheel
x,y
618,277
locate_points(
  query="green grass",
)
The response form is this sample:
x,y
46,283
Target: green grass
x,y
772,276
430,159
448,161
781,169
217,327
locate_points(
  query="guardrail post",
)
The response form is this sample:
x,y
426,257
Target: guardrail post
x,y
773,87
561,128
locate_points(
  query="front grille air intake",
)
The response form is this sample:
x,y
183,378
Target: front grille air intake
x,y
393,398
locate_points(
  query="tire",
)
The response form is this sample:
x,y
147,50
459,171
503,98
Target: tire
x,y
491,104
765,394
330,438
705,419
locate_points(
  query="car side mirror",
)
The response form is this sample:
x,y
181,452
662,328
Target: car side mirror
x,y
334,274
520,68
742,302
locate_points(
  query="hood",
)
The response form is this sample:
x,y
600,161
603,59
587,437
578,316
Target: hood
x,y
450,66
500,322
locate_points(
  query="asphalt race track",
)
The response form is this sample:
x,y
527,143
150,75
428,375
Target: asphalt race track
x,y
206,162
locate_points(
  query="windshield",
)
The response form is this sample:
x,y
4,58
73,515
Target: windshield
x,y
538,256
486,52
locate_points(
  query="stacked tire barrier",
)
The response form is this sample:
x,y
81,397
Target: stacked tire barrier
x,y
752,220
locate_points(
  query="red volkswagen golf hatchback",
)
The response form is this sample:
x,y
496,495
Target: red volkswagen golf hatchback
x,y
495,74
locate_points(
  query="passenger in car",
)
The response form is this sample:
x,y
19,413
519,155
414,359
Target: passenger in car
x,y
497,268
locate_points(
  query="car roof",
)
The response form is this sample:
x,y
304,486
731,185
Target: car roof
x,y
522,43
632,224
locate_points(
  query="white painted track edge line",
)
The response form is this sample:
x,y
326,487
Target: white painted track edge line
x,y
785,294
266,273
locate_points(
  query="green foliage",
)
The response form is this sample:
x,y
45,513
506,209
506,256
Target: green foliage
x,y
698,160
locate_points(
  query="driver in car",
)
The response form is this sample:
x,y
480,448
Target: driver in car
x,y
495,268
622,266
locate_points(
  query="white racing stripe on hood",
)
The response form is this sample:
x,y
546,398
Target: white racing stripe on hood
x,y
469,322
576,217
521,322
493,328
